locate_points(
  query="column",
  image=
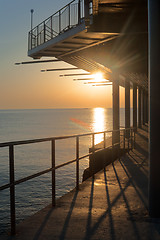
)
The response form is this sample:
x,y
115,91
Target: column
x,y
135,106
139,107
146,107
143,107
115,93
154,94
127,107
86,9
79,12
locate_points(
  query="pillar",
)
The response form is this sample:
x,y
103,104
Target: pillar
x,y
139,107
86,9
146,107
115,94
135,106
143,107
127,107
79,12
154,94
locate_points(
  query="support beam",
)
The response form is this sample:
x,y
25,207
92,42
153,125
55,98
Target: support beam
x,y
147,104
40,61
103,82
143,107
83,79
127,107
139,107
135,106
115,92
58,69
146,111
154,131
86,11
101,85
74,74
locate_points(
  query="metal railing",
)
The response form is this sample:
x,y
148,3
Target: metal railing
x,y
11,145
66,18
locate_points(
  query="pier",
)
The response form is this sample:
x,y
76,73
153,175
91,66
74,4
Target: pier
x,y
120,39
111,205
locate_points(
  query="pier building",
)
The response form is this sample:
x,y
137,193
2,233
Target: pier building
x,y
110,36
120,39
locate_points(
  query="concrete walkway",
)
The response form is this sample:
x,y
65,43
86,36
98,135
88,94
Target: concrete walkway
x,y
112,205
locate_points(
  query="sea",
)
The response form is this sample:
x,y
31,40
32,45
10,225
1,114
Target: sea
x,y
16,125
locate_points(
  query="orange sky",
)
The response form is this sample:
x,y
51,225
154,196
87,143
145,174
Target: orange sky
x,y
25,86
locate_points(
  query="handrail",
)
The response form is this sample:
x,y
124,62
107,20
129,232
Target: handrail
x,y
38,140
52,169
66,18
54,14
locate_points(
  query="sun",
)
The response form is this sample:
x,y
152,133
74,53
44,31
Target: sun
x,y
98,77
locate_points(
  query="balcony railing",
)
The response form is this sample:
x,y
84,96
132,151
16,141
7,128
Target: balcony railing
x,y
66,18
11,147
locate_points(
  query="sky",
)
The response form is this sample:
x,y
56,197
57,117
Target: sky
x,y
25,86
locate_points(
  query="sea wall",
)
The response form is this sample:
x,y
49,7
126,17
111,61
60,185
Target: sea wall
x,y
101,159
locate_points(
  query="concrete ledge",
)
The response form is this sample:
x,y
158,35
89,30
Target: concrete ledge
x,y
112,205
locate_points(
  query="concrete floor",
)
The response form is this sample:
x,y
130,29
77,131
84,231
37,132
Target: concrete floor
x,y
112,205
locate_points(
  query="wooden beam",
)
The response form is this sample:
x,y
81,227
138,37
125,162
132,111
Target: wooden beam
x,y
58,69
74,74
41,61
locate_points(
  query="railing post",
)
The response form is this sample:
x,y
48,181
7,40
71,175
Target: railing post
x,y
128,139
12,190
124,140
131,138
104,140
29,41
37,35
53,174
59,21
112,147
93,150
134,138
77,163
119,145
51,27
44,27
69,20
79,11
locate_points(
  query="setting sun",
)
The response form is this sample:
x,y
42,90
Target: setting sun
x,y
98,77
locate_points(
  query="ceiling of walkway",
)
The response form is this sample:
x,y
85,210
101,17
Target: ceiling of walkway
x,y
115,43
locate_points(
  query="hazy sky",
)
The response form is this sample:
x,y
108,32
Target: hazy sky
x,y
25,86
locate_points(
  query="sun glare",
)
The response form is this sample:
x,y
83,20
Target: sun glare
x,y
98,77
98,125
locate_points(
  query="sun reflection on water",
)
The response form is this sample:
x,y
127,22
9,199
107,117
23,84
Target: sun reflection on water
x,y
98,123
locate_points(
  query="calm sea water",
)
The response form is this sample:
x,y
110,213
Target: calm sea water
x,y
29,159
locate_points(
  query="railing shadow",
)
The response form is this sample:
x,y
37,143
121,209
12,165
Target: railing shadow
x,y
137,178
88,226
145,138
139,148
127,204
44,223
132,171
140,164
67,220
145,127
90,231
111,222
108,212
